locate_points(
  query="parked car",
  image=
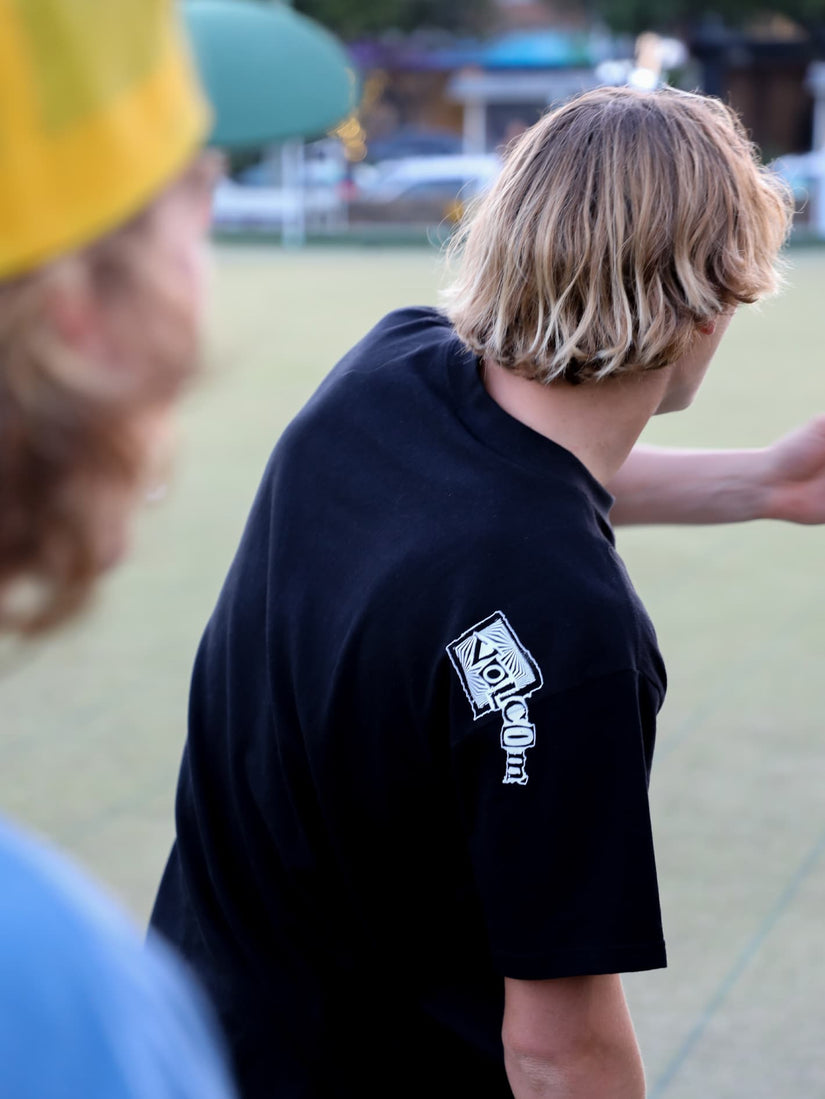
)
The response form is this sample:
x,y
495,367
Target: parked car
x,y
801,170
412,141
421,189
238,207
322,164
805,174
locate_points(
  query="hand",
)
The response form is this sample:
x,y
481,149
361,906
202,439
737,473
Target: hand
x,y
794,475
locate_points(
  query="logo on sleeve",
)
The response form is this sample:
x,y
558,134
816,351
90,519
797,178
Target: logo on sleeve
x,y
498,673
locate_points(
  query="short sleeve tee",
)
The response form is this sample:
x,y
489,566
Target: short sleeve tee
x,y
86,1008
421,730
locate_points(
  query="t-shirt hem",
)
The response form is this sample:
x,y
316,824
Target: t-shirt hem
x,y
582,962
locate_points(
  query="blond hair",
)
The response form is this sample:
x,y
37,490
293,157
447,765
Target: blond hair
x,y
69,430
620,222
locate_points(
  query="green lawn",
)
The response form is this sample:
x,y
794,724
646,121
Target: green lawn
x,y
93,720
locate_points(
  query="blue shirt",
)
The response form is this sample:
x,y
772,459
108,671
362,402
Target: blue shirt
x,y
86,1008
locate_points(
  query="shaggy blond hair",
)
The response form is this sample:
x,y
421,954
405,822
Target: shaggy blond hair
x,y
619,223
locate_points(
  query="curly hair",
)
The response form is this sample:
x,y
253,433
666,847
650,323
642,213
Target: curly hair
x,y
619,223
70,431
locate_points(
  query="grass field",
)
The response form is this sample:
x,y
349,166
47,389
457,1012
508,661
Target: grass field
x,y
92,721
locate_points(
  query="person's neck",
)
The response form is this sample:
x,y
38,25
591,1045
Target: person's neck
x,y
598,422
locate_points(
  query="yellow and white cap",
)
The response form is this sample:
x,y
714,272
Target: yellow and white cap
x,y
100,106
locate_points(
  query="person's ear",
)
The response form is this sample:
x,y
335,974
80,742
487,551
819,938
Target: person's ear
x,y
75,311
80,321
708,328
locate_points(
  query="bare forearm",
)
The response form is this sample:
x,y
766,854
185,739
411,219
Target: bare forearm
x,y
571,1038
660,485
607,1073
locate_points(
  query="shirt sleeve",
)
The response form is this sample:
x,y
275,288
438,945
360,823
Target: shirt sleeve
x,y
553,791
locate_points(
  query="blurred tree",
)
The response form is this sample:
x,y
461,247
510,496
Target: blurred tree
x,y
352,18
640,15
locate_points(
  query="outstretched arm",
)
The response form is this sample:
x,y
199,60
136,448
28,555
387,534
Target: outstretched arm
x,y
783,481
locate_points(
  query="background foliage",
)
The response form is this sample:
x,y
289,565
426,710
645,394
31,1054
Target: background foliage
x,y
351,18
356,18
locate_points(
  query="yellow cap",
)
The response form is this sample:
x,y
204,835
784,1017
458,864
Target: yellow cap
x,y
99,107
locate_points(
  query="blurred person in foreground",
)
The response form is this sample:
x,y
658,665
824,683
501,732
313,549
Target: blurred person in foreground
x,y
104,204
414,850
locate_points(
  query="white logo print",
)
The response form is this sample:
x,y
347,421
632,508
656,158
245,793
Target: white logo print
x,y
498,673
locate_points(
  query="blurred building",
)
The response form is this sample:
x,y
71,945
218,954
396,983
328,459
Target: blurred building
x,y
762,72
518,76
485,91
540,53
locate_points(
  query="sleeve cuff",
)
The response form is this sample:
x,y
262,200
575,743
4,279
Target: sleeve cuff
x,y
582,962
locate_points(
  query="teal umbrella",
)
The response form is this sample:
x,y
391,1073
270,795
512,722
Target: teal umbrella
x,y
270,72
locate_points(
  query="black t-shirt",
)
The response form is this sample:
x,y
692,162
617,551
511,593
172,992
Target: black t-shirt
x,y
421,728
